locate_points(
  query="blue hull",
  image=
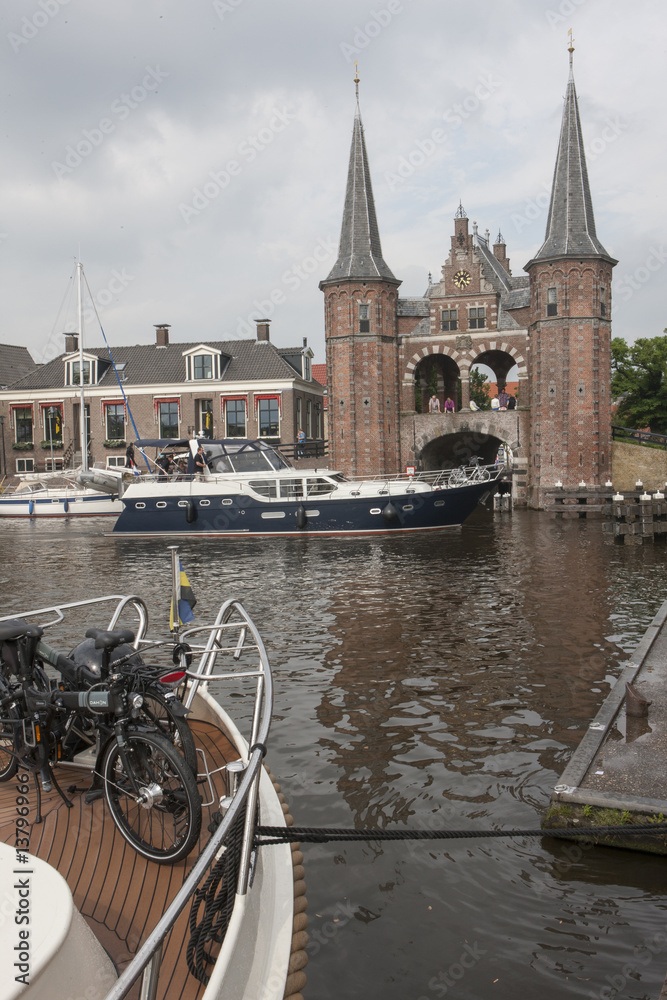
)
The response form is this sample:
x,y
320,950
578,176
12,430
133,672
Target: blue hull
x,y
243,515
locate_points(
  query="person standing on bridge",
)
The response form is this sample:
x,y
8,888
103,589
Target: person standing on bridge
x,y
434,404
449,405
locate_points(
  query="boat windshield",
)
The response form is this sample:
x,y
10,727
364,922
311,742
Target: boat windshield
x,y
246,456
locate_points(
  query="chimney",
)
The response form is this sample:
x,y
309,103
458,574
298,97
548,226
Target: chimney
x,y
161,334
263,330
305,341
71,343
500,251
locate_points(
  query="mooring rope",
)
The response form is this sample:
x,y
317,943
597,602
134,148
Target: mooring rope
x,y
323,835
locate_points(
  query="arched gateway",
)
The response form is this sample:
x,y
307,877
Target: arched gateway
x,y
549,330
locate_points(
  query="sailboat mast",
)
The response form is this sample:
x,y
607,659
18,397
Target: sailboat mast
x,y
82,421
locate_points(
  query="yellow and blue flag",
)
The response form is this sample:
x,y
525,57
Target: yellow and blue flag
x,y
185,597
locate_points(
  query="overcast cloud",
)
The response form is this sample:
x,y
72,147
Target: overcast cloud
x,y
197,153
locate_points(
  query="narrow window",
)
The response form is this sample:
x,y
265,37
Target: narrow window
x,y
364,319
115,422
23,424
235,417
204,418
477,318
168,416
552,302
269,417
449,319
603,302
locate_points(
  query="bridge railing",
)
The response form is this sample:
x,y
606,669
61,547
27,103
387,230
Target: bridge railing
x,y
639,437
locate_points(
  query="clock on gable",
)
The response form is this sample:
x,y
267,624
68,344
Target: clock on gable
x,y
462,279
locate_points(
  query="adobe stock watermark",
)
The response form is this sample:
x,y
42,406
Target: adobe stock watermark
x,y
246,151
455,116
222,7
117,283
643,955
292,279
31,26
91,139
452,976
115,286
536,207
321,935
364,34
563,12
629,284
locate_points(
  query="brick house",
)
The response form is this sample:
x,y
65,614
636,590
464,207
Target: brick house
x,y
238,388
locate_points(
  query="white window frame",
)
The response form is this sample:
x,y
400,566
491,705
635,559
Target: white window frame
x,y
24,465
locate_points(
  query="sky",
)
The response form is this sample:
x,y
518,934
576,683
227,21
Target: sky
x,y
195,155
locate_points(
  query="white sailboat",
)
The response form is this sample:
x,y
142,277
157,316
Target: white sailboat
x,y
79,492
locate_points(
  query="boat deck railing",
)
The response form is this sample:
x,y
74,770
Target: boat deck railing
x,y
232,637
443,478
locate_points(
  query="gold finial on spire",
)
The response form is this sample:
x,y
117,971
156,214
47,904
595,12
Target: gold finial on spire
x,y
570,48
356,81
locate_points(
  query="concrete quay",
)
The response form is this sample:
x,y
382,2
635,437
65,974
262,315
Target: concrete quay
x,y
618,773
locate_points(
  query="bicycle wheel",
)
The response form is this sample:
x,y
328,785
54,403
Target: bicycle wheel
x,y
9,728
157,709
152,796
10,724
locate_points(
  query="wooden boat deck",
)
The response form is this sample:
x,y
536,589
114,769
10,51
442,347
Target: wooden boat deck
x,y
119,893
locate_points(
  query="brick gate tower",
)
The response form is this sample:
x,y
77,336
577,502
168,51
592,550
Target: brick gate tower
x,y
360,303
569,328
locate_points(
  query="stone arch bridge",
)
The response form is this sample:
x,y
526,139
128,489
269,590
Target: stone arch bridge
x,y
445,440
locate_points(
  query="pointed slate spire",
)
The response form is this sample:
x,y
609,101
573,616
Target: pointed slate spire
x,y
359,251
571,225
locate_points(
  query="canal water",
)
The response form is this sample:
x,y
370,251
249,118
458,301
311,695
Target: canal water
x,y
428,681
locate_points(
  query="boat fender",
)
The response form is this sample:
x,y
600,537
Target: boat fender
x,y
389,512
31,507
301,519
190,511
66,505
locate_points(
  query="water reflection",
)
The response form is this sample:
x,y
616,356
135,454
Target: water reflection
x,y
434,681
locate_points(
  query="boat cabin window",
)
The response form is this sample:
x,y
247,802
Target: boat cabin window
x,y
317,487
291,489
220,464
257,461
265,487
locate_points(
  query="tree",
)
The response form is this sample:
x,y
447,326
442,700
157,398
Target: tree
x,y
639,379
478,392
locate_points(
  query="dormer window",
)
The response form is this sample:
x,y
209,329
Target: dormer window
x,y
306,368
552,302
202,364
364,319
73,371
